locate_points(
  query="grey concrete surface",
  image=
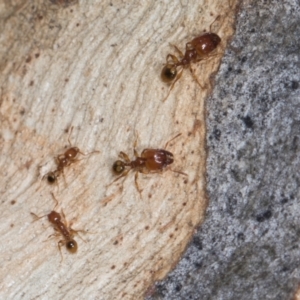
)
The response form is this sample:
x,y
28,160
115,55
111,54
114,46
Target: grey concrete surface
x,y
248,247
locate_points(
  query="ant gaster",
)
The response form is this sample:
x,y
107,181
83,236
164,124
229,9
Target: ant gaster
x,y
150,161
196,50
60,225
64,160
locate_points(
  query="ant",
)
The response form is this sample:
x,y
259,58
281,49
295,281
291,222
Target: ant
x,y
65,160
150,161
196,50
62,227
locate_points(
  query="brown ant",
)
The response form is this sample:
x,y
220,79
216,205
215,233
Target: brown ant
x,y
196,50
65,160
62,227
150,161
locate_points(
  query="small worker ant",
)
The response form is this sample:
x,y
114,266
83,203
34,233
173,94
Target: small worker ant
x,y
64,160
150,161
196,50
62,227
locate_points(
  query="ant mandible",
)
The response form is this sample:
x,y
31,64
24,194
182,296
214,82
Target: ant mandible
x,y
150,161
62,227
64,160
196,50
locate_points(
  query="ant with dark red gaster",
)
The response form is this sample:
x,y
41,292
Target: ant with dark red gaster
x,y
150,161
196,50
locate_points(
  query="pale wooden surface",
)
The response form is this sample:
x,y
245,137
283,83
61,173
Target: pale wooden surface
x,y
97,67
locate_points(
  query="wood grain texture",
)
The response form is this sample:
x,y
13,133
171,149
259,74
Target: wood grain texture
x,y
96,66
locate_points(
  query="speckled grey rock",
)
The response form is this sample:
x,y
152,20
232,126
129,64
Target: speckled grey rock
x,y
248,247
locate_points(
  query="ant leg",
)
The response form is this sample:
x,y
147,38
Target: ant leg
x,y
123,175
70,135
207,57
171,87
198,60
124,156
161,171
73,231
56,181
54,200
136,183
84,154
135,144
36,217
59,158
63,173
135,153
177,49
179,172
174,59
40,176
53,234
210,26
195,77
59,244
87,154
64,217
80,235
173,138
189,46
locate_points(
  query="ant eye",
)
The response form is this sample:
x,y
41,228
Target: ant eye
x,y
118,167
72,246
168,73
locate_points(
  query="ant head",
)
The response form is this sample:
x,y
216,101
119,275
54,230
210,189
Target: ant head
x,y
54,217
169,73
205,43
71,153
51,177
118,167
72,246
